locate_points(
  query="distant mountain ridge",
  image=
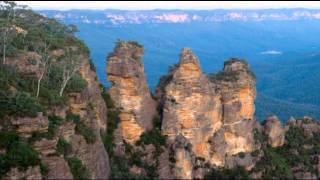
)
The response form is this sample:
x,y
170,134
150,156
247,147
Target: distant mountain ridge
x,y
181,16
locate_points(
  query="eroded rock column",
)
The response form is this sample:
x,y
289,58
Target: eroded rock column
x,y
191,108
129,90
237,86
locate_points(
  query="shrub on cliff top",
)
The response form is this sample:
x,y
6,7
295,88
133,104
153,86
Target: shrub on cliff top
x,y
76,84
19,105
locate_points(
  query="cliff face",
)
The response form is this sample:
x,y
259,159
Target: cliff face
x,y
237,86
191,108
90,105
129,90
210,113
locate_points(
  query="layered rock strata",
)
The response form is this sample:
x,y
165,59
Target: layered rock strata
x,y
237,86
215,115
129,90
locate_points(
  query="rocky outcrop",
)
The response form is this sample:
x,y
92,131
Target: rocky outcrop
x,y
307,124
275,132
183,156
27,125
29,174
28,63
58,167
45,146
191,108
129,90
215,115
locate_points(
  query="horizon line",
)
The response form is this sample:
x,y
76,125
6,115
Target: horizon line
x,y
164,9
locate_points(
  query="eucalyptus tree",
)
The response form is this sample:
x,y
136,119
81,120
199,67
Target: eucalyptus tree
x,y
7,20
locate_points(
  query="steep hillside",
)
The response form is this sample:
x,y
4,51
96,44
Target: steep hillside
x,y
58,122
52,114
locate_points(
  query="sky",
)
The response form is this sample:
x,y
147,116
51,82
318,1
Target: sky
x,y
145,5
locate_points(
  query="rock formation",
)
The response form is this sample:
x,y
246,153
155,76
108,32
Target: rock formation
x,y
26,125
29,174
237,86
215,115
192,107
90,105
129,90
274,131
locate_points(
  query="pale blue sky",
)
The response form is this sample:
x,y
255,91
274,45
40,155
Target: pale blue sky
x,y
143,5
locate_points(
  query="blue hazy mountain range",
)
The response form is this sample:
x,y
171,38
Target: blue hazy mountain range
x,y
281,45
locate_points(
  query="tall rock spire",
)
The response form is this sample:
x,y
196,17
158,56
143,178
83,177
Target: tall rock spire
x,y
214,115
129,90
191,109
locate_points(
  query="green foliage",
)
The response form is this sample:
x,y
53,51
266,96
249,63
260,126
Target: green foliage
x,y
54,122
32,62
50,97
73,117
44,169
7,137
76,84
86,132
255,153
22,155
107,98
295,138
112,123
260,138
236,173
18,153
20,105
279,165
278,162
63,147
123,43
77,168
92,66
153,136
242,155
120,168
81,128
120,165
224,76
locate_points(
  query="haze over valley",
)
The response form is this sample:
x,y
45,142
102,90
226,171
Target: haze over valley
x,y
281,45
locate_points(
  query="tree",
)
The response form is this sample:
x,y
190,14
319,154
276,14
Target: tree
x,y
70,65
43,50
7,24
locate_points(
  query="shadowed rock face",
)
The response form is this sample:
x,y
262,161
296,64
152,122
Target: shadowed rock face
x,y
216,115
129,90
94,156
275,131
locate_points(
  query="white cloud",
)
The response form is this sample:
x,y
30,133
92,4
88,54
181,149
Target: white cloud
x,y
143,5
271,52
